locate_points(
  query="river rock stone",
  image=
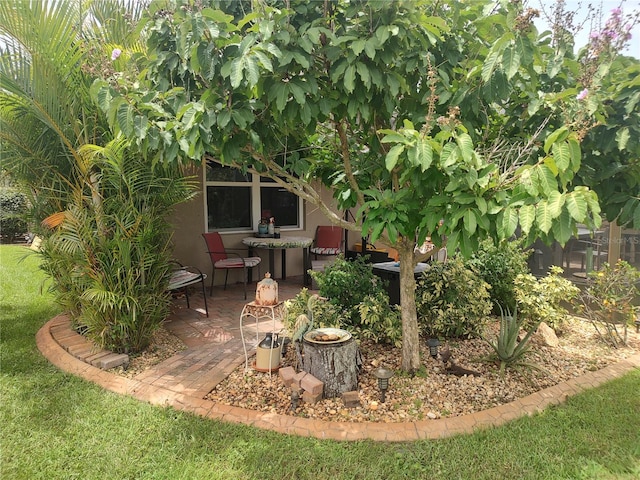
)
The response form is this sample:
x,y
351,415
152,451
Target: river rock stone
x,y
546,336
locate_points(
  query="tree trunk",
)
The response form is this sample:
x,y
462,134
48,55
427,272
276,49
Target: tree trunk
x,y
336,365
410,332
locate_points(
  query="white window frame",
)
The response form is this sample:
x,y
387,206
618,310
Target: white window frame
x,y
256,184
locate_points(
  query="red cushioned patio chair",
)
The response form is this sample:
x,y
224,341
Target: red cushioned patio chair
x,y
225,259
328,241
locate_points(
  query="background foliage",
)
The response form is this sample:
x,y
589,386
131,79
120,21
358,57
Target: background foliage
x,y
499,265
13,212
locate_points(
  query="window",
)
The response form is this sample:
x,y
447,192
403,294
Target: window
x,y
236,201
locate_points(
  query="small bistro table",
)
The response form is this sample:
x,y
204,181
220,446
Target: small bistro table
x,y
282,244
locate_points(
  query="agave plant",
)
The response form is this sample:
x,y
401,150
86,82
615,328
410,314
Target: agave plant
x,y
508,348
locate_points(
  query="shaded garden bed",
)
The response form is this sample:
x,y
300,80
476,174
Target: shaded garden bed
x,y
433,393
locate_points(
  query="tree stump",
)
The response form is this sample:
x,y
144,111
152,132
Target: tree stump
x,y
334,364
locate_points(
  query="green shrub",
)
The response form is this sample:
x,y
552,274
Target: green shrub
x,y
325,314
499,265
380,321
346,283
294,307
359,297
539,300
452,301
13,208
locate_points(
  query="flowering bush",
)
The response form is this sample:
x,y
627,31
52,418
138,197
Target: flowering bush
x,y
614,36
539,300
608,301
583,94
616,287
606,42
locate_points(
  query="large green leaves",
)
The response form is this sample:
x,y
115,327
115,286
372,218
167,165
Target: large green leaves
x,y
246,67
576,206
465,143
544,217
527,217
421,154
507,222
392,157
511,61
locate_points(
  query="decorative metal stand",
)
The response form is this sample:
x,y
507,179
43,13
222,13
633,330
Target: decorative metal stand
x,y
257,312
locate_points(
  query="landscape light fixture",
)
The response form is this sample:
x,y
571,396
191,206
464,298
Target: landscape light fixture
x,y
295,399
433,344
383,375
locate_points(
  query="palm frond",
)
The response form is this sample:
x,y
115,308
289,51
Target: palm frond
x,y
115,21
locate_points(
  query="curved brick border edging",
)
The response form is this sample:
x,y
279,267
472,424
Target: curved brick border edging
x,y
390,432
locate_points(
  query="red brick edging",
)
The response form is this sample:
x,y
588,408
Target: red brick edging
x,y
390,432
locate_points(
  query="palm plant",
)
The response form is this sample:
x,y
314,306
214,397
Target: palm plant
x,y
46,115
124,268
52,50
43,98
107,238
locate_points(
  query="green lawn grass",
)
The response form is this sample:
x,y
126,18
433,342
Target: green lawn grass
x,y
57,426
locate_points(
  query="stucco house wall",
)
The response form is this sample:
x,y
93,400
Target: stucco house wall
x,y
190,249
189,224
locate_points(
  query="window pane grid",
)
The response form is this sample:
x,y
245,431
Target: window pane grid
x,y
236,202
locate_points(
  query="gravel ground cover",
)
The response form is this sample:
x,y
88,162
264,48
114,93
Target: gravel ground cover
x,y
431,393
163,345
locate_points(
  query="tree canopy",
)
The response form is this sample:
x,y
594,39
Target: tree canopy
x,y
450,120
611,160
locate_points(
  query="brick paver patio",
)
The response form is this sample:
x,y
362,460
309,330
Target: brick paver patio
x,y
215,349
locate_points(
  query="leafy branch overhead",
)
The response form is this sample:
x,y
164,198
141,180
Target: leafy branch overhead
x,y
478,199
253,91
450,120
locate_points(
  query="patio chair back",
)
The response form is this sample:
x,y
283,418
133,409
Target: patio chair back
x,y
328,240
215,246
223,259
